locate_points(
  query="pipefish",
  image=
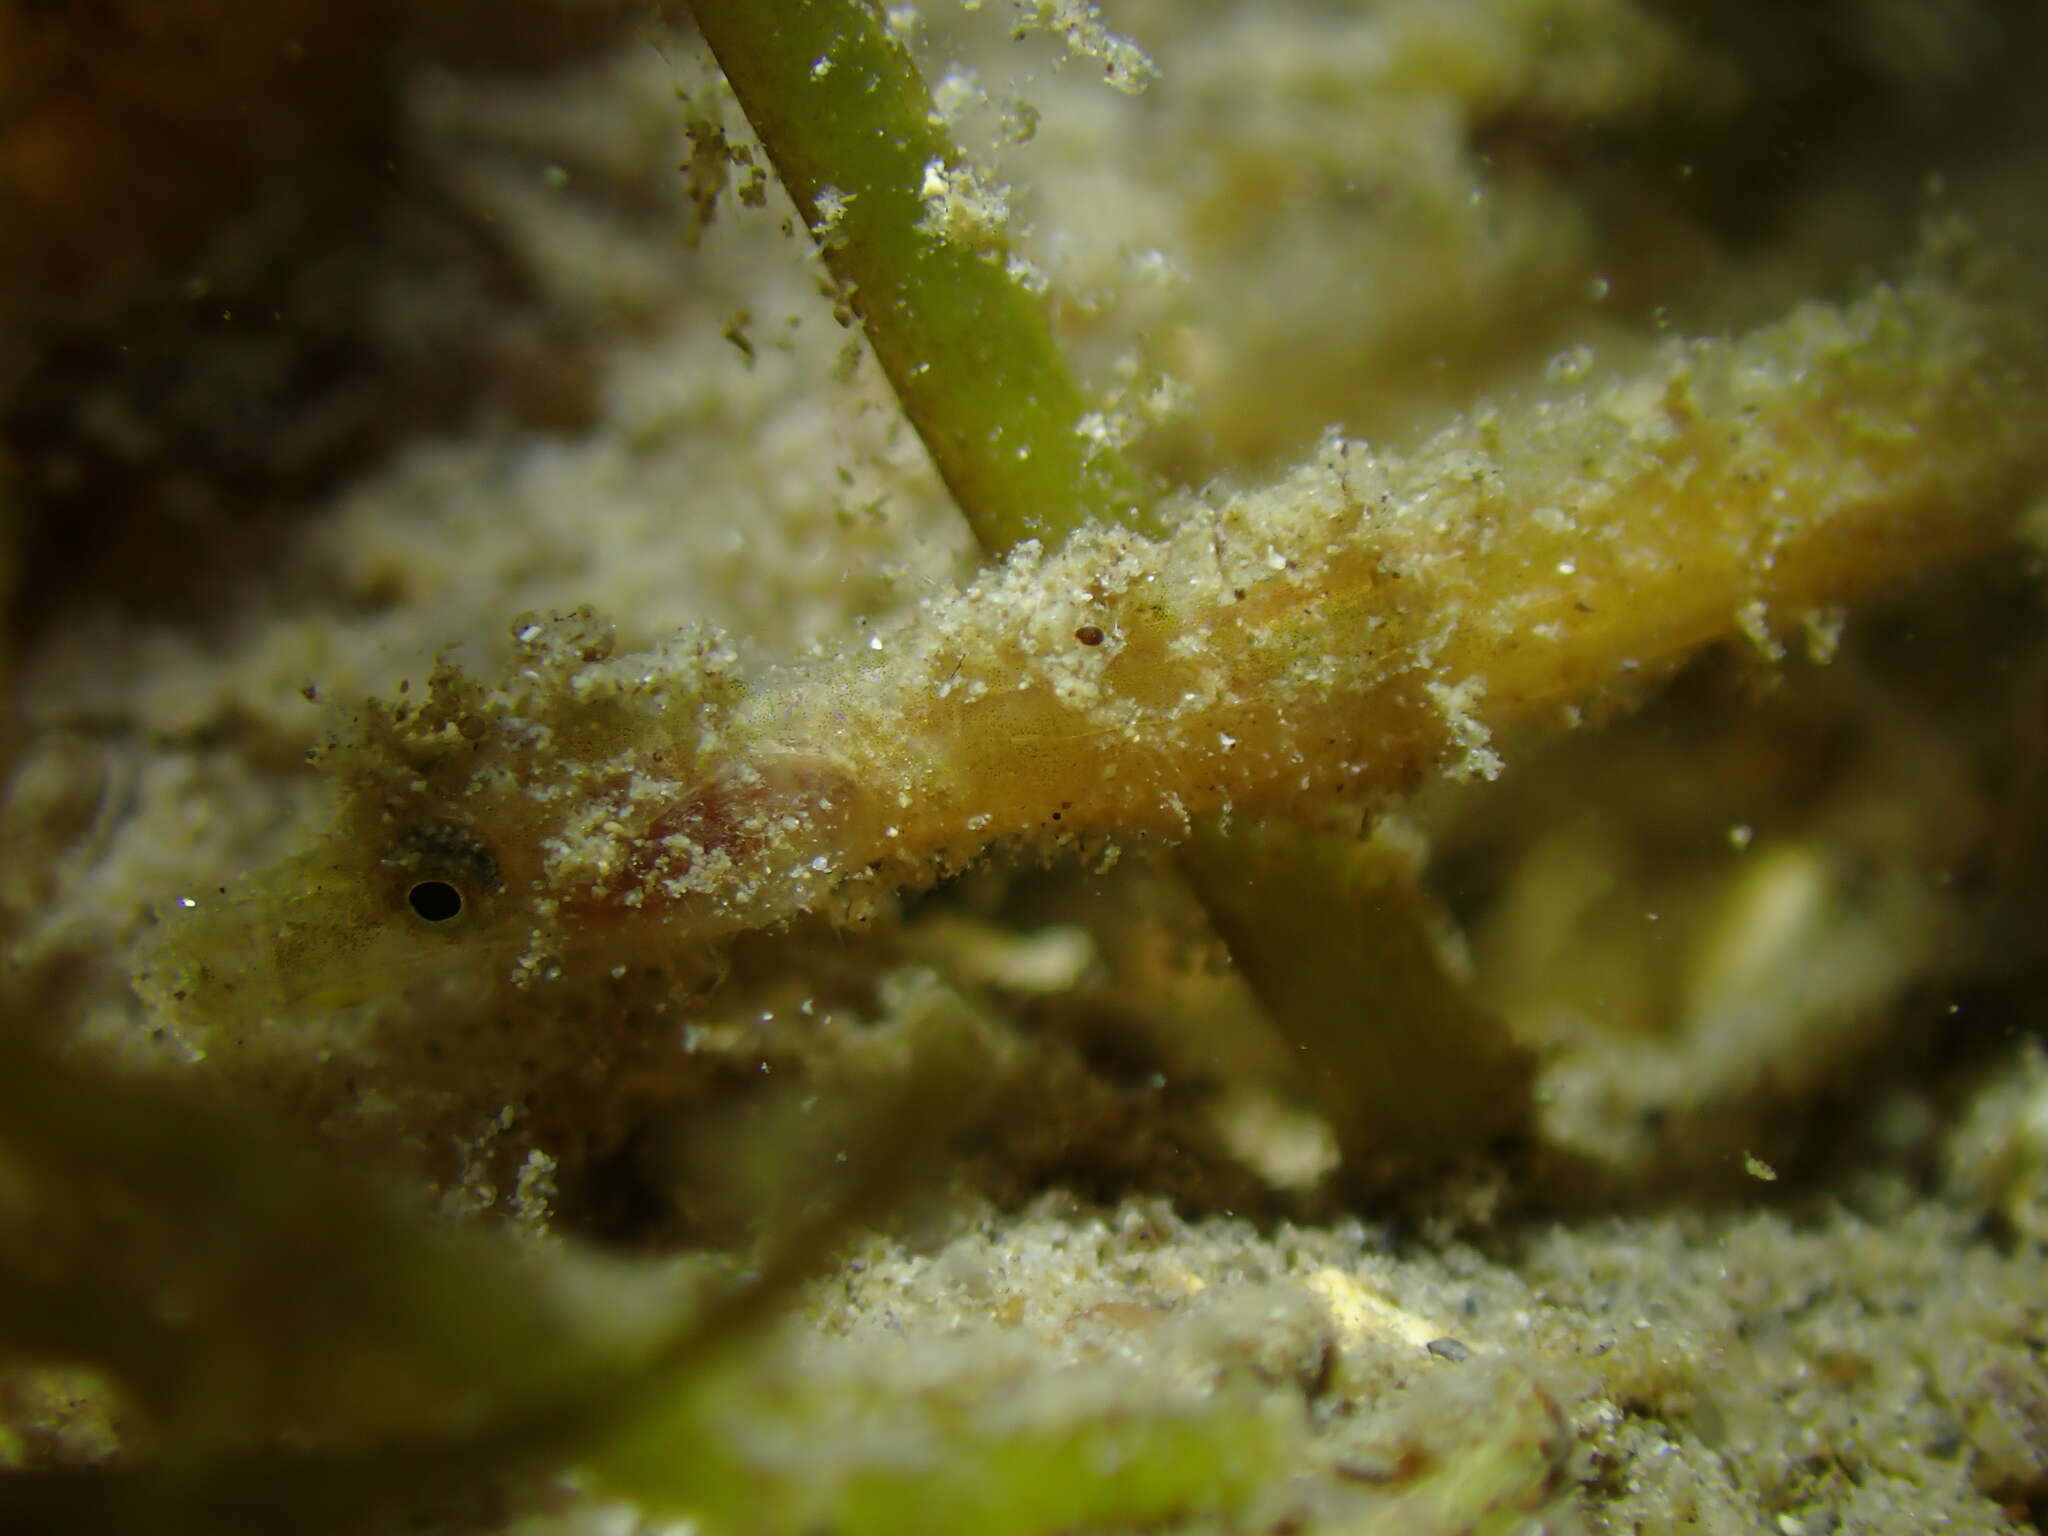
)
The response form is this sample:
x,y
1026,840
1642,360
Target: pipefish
x,y
1370,619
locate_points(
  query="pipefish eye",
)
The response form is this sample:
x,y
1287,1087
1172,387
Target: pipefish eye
x,y
435,901
443,871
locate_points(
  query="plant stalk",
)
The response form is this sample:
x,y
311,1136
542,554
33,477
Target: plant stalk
x,y
852,131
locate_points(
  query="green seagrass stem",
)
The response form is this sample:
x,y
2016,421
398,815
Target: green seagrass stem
x,y
1337,943
850,126
1341,944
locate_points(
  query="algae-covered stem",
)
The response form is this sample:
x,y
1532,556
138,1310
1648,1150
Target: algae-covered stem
x,y
855,138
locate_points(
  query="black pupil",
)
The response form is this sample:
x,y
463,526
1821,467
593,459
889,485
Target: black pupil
x,y
434,901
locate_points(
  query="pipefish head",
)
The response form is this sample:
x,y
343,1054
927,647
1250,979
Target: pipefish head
x,y
439,882
328,929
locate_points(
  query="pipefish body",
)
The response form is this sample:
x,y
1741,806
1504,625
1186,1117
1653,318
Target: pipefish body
x,y
1369,620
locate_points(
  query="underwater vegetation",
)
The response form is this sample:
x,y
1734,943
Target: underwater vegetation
x,y
1547,791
